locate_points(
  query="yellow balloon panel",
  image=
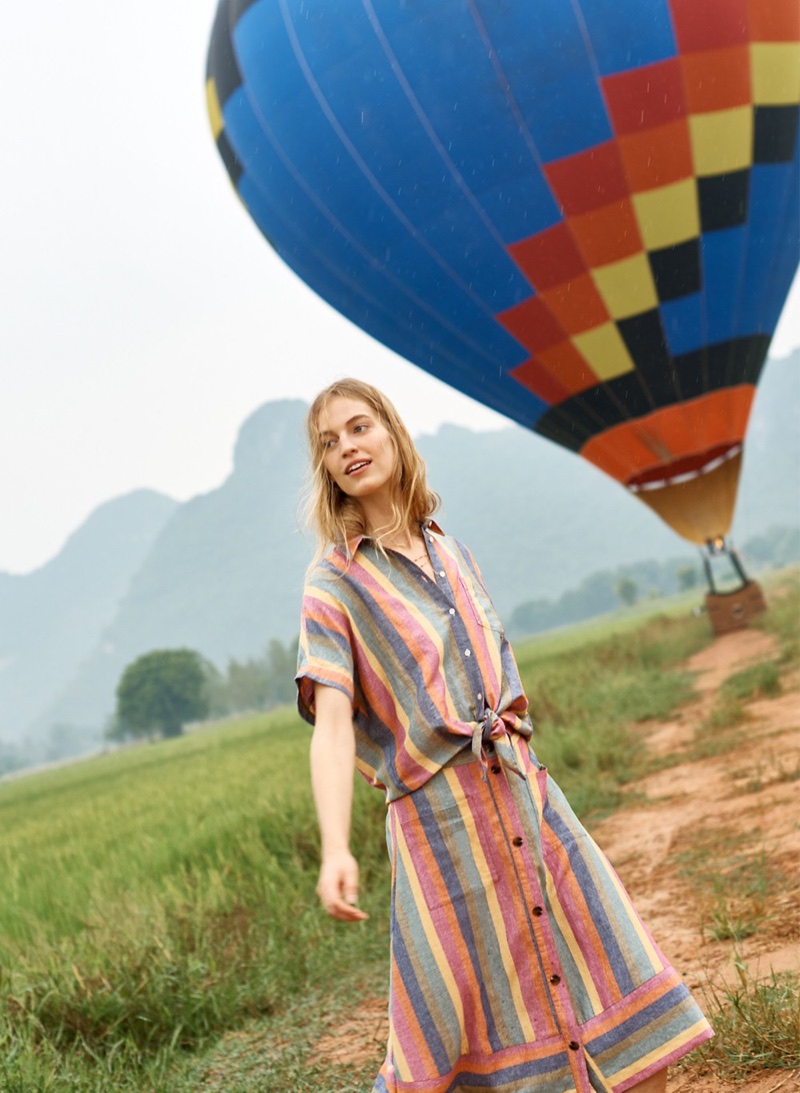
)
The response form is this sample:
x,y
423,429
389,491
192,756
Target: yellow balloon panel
x,y
700,509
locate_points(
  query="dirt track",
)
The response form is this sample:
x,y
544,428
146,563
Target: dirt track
x,y
736,811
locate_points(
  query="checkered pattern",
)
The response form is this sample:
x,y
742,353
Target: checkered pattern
x,y
639,212
583,213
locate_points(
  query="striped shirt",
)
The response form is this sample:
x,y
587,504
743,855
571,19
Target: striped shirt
x,y
425,663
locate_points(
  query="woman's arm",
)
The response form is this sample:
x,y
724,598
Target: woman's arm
x,y
333,753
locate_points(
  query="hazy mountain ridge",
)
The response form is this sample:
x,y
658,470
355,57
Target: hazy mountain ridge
x,y
224,573
224,576
50,619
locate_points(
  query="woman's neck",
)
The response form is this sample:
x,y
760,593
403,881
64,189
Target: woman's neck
x,y
404,539
381,524
409,542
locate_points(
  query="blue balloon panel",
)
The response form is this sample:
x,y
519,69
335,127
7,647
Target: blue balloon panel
x,y
583,213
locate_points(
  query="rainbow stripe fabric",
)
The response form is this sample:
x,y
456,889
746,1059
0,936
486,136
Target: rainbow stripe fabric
x,y
421,663
518,961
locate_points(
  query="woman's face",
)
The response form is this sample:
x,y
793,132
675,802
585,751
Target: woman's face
x,y
359,452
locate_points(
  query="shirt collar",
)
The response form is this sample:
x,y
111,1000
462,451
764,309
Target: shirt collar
x,y
354,543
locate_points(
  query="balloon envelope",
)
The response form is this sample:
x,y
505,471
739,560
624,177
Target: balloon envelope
x,y
583,213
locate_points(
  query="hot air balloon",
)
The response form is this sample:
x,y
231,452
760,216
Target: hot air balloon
x,y
582,213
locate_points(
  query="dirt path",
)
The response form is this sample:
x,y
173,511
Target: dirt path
x,y
714,848
732,815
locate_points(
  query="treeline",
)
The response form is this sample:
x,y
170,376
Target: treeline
x,y
777,548
159,694
163,691
266,681
606,590
256,684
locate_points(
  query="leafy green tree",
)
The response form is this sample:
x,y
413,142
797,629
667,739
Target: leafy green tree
x,y
282,665
10,758
248,685
160,692
593,596
687,577
628,590
779,546
256,684
216,690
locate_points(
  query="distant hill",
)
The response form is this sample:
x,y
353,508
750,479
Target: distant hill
x,y
50,619
224,574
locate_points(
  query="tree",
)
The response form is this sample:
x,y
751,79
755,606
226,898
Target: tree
x,y
160,692
248,685
256,684
282,665
687,577
627,590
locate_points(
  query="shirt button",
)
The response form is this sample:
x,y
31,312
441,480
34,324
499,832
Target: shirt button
x,y
573,1045
479,696
517,840
467,652
555,980
452,610
537,911
441,573
495,769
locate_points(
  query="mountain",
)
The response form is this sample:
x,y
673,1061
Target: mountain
x,y
224,576
537,519
50,619
225,573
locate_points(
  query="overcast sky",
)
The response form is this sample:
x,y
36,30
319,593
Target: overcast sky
x,y
143,315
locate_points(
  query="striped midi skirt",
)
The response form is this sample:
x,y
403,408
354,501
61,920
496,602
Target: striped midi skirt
x,y
518,962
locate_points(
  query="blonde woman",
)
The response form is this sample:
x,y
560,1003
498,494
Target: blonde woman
x,y
518,963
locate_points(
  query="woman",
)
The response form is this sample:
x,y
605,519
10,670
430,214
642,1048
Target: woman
x,y
518,963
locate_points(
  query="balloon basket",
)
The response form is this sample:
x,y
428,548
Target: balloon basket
x,y
729,611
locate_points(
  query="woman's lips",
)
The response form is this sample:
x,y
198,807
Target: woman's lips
x,y
357,467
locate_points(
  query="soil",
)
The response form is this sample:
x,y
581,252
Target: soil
x,y
712,839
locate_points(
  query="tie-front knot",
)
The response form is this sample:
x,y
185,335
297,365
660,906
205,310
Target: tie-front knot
x,y
492,726
492,732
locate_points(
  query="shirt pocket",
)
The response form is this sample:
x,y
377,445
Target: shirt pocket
x,y
480,605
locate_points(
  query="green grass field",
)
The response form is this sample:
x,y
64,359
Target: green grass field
x,y
158,897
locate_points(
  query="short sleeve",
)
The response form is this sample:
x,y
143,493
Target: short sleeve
x,y
325,654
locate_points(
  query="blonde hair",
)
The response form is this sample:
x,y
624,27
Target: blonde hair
x,y
336,518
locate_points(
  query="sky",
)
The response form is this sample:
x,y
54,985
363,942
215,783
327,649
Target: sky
x,y
143,316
